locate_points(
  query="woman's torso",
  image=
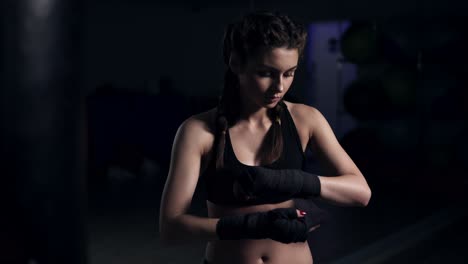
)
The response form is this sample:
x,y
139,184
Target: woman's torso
x,y
240,149
254,251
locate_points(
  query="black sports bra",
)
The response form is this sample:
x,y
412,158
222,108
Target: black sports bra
x,y
219,186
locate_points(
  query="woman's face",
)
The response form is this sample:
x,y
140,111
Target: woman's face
x,y
266,78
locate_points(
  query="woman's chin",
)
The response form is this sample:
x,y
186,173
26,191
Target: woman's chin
x,y
272,102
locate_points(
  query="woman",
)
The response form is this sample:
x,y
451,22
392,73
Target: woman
x,y
251,150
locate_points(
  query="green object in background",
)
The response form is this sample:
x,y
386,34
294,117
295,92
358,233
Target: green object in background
x,y
399,86
359,44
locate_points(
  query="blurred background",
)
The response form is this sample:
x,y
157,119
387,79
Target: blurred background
x,y
92,93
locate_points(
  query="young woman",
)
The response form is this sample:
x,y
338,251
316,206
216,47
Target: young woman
x,y
250,149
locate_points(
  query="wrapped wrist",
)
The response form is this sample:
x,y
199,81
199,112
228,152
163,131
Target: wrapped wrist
x,y
248,226
311,185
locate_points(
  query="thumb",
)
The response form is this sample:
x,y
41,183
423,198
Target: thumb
x,y
300,213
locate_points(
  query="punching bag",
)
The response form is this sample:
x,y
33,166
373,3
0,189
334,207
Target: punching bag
x,y
41,122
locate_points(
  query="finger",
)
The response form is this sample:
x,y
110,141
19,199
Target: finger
x,y
300,213
313,228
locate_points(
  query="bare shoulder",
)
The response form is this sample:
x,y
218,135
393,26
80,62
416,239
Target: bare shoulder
x,y
301,109
203,121
200,128
303,115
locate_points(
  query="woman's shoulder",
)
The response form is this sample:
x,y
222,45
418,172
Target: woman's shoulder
x,y
201,123
304,116
200,127
301,111
204,120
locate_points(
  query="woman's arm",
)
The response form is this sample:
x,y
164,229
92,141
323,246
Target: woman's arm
x,y
347,186
175,225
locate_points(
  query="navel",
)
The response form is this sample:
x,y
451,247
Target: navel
x,y
265,258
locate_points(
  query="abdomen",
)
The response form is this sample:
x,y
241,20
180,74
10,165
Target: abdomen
x,y
255,251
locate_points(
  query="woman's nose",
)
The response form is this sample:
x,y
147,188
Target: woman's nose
x,y
279,85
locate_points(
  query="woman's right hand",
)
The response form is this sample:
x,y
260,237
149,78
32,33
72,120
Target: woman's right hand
x,y
304,214
286,225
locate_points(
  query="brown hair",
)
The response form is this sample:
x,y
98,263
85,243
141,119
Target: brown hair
x,y
253,33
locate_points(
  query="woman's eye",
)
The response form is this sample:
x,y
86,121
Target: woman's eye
x,y
264,74
289,74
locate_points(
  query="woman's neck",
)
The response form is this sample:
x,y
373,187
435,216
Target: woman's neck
x,y
254,115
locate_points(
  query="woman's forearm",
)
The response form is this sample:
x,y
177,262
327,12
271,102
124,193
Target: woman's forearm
x,y
188,228
345,190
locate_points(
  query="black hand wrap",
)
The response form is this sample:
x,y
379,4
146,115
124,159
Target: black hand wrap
x,y
315,215
271,184
281,224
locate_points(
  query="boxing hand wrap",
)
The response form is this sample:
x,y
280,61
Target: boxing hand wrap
x,y
281,224
246,226
315,215
263,183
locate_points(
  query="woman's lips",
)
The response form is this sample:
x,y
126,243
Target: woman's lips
x,y
273,98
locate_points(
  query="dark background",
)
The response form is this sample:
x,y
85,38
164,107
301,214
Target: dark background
x,y
92,93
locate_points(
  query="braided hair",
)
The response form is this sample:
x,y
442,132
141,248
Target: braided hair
x,y
253,33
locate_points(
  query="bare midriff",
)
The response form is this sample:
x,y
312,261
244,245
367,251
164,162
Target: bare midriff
x,y
254,251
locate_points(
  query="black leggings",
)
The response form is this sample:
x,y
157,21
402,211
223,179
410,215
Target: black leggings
x,y
206,261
